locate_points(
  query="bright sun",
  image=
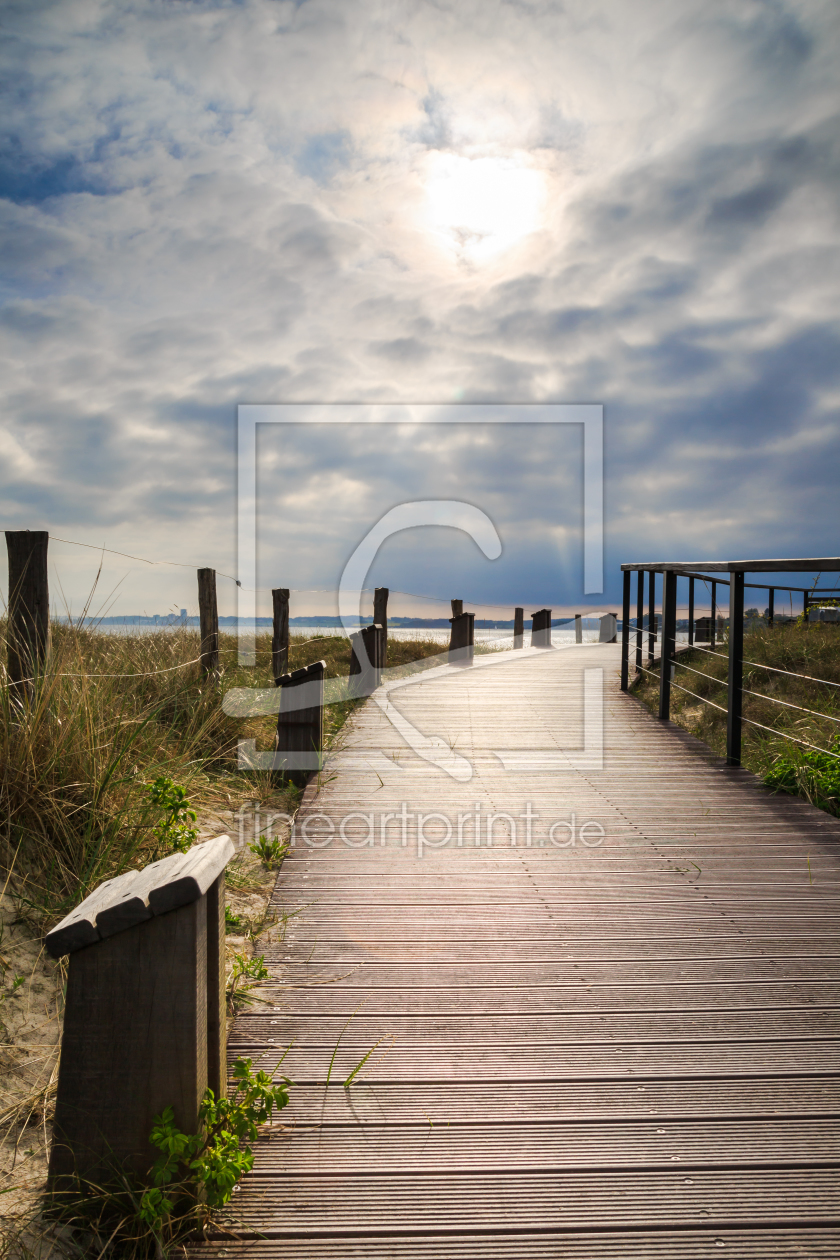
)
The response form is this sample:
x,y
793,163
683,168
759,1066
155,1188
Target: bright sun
x,y
484,205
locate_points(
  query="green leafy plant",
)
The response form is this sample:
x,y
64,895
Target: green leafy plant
x,y
195,1174
814,774
270,851
17,981
205,1166
172,834
234,922
246,975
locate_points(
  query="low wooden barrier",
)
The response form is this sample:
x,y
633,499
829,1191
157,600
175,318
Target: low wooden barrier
x,y
144,1020
461,637
300,723
367,659
541,628
608,629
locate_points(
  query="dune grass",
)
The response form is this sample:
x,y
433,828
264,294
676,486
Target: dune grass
x,y
809,652
109,715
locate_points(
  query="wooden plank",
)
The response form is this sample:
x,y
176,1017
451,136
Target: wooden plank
x,y
780,1244
329,1204
135,896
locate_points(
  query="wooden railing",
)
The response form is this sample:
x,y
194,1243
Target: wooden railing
x,y
670,572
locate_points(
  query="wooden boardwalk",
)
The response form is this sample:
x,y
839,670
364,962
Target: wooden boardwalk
x,y
623,1050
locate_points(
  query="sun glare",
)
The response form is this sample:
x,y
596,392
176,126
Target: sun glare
x,y
483,205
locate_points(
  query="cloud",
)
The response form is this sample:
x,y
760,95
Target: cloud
x,y
203,204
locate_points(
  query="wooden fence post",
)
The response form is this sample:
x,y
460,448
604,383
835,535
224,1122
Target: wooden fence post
x,y
625,633
208,615
462,638
280,634
667,642
457,607
736,669
29,606
380,618
518,627
541,628
640,616
144,1021
651,616
771,605
691,612
713,613
578,628
300,722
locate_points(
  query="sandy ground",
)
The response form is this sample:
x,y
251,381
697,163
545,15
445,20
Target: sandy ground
x,y
31,1018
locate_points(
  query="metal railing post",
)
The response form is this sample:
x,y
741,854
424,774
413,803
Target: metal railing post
x,y
640,616
736,669
667,641
625,633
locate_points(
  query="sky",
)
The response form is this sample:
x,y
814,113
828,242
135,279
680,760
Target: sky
x,y
472,202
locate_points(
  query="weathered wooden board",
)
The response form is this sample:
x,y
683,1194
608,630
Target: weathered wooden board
x,y
135,896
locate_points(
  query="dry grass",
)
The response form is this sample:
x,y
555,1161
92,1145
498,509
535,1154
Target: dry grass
x,y
109,715
812,652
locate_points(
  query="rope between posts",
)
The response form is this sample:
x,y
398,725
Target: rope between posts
x,y
775,700
711,703
771,731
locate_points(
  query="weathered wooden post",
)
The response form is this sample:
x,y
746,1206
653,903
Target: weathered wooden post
x,y
668,641
625,633
608,630
541,628
713,615
691,612
280,632
462,638
366,651
578,628
735,697
771,605
208,616
651,616
457,607
640,616
144,1019
300,722
518,627
29,606
380,618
